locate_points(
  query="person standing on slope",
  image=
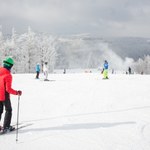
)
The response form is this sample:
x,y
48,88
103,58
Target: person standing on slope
x,y
37,70
129,70
45,70
105,71
5,91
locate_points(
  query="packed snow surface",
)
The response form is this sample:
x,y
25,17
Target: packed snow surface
x,y
81,111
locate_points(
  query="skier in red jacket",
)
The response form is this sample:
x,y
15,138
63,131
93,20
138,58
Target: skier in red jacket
x,y
5,91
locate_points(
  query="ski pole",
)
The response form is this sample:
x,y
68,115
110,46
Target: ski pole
x,y
17,118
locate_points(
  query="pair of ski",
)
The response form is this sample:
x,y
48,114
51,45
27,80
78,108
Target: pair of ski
x,y
14,128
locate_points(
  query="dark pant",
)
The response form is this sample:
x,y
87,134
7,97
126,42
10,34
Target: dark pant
x,y
8,112
37,74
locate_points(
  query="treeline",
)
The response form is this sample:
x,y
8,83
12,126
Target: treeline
x,y
28,49
69,52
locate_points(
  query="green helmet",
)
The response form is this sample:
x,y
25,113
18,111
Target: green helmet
x,y
8,61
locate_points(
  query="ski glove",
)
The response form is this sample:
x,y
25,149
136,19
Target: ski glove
x,y
19,93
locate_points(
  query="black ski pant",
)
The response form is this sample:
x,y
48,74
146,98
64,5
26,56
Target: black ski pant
x,y
37,74
8,112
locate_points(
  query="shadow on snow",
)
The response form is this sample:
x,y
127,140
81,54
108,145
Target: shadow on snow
x,y
86,114
80,126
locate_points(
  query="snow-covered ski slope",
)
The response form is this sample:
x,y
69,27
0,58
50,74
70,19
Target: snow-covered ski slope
x,y
81,111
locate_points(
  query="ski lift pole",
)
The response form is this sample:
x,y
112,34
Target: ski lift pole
x,y
17,118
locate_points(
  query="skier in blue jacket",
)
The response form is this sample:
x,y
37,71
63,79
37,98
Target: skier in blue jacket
x,y
37,70
105,72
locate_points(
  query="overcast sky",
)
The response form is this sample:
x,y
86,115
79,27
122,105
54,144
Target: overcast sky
x,y
102,17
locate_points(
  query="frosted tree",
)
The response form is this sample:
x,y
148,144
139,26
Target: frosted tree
x,y
30,50
47,48
13,47
21,65
10,46
1,46
143,65
146,65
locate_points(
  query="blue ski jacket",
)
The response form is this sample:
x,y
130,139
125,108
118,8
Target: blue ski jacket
x,y
37,68
106,65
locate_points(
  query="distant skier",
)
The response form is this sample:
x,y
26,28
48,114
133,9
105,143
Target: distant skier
x,y
37,70
129,70
5,91
105,70
45,70
64,71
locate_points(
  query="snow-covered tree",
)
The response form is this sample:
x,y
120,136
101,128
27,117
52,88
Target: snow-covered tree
x,y
47,49
28,49
143,65
1,46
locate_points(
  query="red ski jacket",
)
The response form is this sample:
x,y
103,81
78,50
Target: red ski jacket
x,y
5,83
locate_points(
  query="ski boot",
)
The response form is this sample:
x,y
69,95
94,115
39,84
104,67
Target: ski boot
x,y
8,129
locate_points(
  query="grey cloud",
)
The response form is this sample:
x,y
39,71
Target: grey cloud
x,y
104,17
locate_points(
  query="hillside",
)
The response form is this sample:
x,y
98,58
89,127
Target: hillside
x,y
130,47
90,52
